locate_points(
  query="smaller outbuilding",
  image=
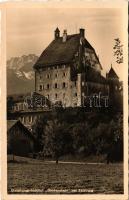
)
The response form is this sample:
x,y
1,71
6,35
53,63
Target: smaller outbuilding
x,y
20,140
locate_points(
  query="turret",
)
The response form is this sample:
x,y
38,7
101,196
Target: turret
x,y
57,33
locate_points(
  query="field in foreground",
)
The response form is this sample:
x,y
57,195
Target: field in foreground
x,y
35,176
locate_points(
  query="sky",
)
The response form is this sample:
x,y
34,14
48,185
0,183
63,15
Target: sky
x,y
30,30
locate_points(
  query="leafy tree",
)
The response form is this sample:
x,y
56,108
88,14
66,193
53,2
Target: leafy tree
x,y
58,141
115,151
38,132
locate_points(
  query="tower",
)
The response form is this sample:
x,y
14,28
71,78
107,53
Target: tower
x,y
57,33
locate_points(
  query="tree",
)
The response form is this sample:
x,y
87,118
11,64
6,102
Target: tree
x,y
115,151
38,132
58,141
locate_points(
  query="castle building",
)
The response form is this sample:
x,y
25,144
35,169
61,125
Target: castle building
x,y
68,73
69,69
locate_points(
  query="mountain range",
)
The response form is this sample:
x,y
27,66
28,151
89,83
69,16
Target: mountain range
x,y
20,74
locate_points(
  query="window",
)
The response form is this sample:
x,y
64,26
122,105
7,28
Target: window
x,y
83,94
64,74
22,119
30,119
56,75
48,76
48,86
75,94
40,88
56,96
64,84
82,83
76,54
63,95
56,67
48,96
75,83
116,87
55,85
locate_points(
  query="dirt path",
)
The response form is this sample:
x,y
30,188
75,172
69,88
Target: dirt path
x,y
76,163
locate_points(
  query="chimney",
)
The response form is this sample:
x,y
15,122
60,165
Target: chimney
x,y
65,36
82,32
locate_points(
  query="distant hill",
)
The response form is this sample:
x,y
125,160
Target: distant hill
x,y
20,74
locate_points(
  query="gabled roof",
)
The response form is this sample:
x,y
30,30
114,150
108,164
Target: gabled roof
x,y
59,52
112,74
12,123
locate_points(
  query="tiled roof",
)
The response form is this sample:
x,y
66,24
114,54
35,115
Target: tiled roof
x,y
59,52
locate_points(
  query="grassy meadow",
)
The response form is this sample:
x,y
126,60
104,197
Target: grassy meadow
x,y
37,176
